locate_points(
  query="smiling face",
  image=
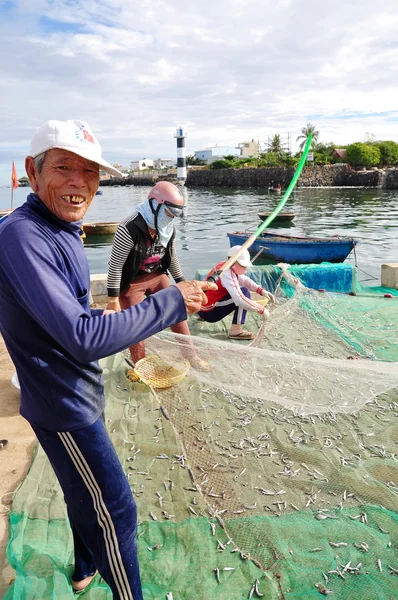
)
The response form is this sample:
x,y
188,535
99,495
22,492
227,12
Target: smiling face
x,y
66,184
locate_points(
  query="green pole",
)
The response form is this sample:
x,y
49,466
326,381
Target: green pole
x,y
289,190
251,239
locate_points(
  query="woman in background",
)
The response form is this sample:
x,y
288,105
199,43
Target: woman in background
x,y
233,295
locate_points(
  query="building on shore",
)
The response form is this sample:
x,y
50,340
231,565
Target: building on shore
x,y
105,176
209,155
142,165
339,153
249,148
164,163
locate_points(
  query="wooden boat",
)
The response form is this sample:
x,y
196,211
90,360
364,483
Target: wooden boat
x,y
4,214
283,216
100,228
295,249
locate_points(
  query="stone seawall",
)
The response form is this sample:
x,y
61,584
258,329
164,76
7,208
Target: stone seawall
x,y
390,179
146,180
127,181
311,176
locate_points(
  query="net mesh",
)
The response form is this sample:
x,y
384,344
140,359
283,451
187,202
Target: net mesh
x,y
275,473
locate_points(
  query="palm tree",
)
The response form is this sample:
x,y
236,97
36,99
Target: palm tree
x,y
305,132
276,144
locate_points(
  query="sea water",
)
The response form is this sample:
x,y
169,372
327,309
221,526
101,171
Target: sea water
x,y
369,215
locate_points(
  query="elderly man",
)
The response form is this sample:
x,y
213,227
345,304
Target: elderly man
x,y
55,341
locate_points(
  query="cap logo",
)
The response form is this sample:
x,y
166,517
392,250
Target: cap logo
x,y
84,136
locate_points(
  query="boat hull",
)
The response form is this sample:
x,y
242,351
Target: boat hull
x,y
5,213
100,228
295,250
283,216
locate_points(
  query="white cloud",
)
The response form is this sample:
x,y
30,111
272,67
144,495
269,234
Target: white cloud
x,y
226,71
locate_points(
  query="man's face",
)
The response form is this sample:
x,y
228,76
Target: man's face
x,y
66,185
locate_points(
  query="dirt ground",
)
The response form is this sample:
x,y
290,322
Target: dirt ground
x,y
15,458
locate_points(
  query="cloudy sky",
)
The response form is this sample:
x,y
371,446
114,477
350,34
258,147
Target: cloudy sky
x,y
225,70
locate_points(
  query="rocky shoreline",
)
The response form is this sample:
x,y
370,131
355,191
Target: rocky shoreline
x,y
312,176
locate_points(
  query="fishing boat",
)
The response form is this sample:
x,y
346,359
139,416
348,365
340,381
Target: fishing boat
x,y
282,216
275,189
100,228
295,249
4,214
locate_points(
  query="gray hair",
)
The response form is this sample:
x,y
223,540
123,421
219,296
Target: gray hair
x,y
39,161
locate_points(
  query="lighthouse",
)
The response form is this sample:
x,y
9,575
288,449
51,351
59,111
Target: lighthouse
x,y
181,162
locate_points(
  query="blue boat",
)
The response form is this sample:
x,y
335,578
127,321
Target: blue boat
x,y
294,249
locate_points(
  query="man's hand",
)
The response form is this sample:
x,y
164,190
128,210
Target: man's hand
x,y
194,294
107,312
113,304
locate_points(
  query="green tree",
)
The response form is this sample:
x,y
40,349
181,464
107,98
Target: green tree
x,y
276,144
388,151
305,132
325,150
362,155
192,160
221,163
320,159
287,160
247,161
269,159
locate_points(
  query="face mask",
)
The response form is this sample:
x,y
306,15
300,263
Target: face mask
x,y
164,223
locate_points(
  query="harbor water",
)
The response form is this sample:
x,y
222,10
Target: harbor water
x,y
369,215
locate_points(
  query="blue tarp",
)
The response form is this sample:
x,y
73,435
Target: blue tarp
x,y
332,277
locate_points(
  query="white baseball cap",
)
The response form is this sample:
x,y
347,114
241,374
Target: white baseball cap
x,y
74,136
243,259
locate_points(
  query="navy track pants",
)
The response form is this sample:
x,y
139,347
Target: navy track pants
x,y
101,508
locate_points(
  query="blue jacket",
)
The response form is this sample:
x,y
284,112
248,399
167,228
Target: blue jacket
x,y
53,337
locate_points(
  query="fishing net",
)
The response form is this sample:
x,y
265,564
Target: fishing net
x,y
274,475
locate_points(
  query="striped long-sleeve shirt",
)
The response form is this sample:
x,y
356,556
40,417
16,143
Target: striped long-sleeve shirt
x,y
129,249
